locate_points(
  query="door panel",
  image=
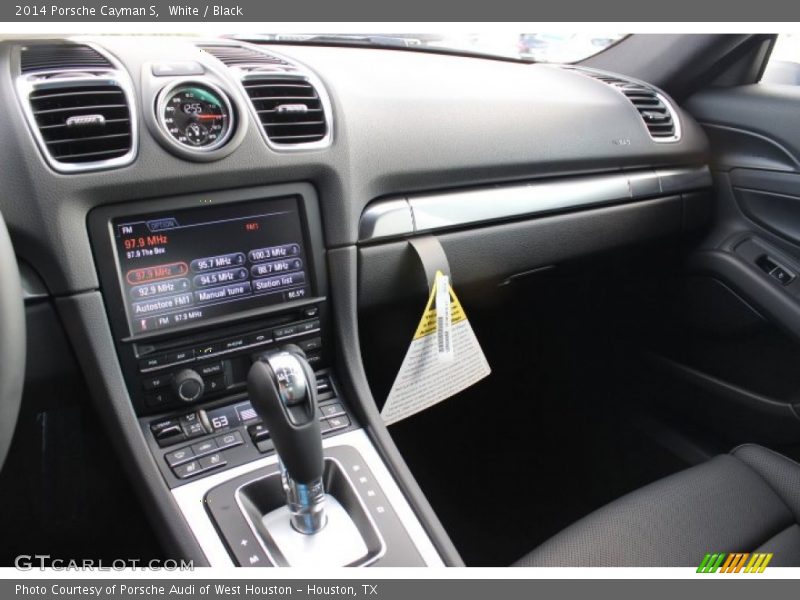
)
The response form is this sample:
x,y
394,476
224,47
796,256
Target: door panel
x,y
736,333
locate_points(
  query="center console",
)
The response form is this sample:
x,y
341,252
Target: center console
x,y
200,288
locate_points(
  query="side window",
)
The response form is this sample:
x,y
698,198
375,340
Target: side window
x,y
784,62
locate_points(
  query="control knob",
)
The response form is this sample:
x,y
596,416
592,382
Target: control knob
x,y
188,385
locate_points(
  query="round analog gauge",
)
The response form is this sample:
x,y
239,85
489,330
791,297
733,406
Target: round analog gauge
x,y
196,116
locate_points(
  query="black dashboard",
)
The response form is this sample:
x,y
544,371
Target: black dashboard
x,y
189,204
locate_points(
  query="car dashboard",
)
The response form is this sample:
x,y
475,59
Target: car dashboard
x,y
188,205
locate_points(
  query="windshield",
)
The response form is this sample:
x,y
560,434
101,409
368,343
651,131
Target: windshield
x,y
538,47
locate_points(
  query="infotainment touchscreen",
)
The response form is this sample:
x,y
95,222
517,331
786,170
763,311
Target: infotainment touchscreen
x,y
189,265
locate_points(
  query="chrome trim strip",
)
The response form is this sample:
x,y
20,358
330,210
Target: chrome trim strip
x,y
386,218
118,75
404,216
189,499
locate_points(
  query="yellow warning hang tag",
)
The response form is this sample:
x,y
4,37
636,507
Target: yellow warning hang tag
x,y
444,358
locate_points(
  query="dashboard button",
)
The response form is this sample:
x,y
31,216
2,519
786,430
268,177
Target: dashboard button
x,y
311,311
187,470
171,69
180,356
159,398
210,369
207,349
204,447
179,456
151,362
234,343
156,381
167,431
331,410
215,384
259,337
308,326
339,422
265,446
311,345
258,432
284,332
194,430
212,462
229,440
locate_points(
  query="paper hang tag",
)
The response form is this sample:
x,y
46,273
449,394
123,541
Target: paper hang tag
x,y
444,317
443,359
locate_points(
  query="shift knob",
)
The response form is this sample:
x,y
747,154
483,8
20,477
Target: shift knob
x,y
283,391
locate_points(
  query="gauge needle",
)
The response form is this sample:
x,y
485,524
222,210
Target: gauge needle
x,y
210,116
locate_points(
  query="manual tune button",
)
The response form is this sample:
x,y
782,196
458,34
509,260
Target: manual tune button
x,y
188,385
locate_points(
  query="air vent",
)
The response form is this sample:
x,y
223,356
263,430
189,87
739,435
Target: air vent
x,y
290,110
236,56
658,116
655,113
83,123
54,57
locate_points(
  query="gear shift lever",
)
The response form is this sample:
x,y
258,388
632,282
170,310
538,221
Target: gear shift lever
x,y
282,388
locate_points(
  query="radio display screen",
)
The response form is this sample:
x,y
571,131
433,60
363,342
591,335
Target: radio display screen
x,y
189,265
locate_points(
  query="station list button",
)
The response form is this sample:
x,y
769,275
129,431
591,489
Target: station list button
x,y
170,286
220,277
284,251
275,267
222,293
223,261
279,281
156,273
157,305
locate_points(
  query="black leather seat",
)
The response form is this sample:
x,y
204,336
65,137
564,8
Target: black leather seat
x,y
745,501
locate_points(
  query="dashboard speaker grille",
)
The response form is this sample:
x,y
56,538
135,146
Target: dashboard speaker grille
x,y
52,57
290,110
84,123
234,56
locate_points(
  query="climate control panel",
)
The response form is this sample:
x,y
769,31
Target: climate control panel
x,y
227,433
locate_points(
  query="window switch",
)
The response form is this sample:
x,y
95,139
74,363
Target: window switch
x,y
782,275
